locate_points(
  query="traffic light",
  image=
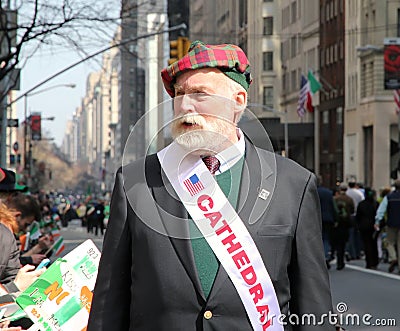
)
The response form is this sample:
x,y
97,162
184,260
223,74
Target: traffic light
x,y
36,126
173,51
177,49
185,42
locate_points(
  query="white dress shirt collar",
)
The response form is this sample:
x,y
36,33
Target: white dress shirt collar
x,y
232,154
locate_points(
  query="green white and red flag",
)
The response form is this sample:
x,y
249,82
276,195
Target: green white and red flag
x,y
24,241
34,231
58,246
55,232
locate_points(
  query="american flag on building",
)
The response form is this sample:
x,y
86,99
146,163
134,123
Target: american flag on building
x,y
193,184
304,92
396,95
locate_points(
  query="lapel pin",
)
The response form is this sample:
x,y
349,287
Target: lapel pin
x,y
263,194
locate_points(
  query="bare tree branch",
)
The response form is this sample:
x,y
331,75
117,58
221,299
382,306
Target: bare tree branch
x,y
37,25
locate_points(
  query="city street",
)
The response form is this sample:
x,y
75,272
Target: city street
x,y
359,291
75,234
364,296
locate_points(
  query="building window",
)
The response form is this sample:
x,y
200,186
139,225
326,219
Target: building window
x,y
294,11
325,117
299,44
299,8
327,55
293,80
285,49
371,75
293,46
268,96
299,77
322,58
341,55
325,132
285,17
327,12
335,53
312,63
284,81
268,26
339,115
398,22
373,18
242,13
335,4
268,61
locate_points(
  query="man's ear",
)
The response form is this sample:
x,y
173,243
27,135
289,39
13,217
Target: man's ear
x,y
240,98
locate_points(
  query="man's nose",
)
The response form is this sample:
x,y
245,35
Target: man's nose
x,y
184,104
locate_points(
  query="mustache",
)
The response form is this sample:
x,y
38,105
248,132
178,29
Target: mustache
x,y
191,119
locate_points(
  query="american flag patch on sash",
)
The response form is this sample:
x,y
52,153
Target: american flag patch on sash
x,y
193,185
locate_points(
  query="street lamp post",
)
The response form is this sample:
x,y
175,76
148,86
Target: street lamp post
x,y
32,178
27,156
286,134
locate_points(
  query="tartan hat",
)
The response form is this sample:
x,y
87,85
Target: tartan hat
x,y
228,58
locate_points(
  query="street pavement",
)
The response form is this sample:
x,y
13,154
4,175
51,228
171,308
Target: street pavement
x,y
362,298
360,291
75,234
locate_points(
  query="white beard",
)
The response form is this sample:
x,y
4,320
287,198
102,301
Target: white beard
x,y
204,137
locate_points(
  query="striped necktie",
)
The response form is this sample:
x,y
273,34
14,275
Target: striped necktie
x,y
212,163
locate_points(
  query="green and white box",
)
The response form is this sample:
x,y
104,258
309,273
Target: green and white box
x,y
60,299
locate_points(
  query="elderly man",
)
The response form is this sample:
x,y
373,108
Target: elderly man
x,y
199,236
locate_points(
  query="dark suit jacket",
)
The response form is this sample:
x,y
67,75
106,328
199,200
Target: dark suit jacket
x,y
148,280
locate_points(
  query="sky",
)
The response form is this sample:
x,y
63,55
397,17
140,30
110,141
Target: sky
x,y
60,102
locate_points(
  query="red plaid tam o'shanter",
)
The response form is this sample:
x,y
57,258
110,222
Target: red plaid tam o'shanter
x,y
230,59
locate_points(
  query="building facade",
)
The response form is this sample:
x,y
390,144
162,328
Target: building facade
x,y
9,83
332,97
299,54
120,93
353,132
371,131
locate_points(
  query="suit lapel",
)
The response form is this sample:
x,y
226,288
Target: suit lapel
x,y
250,206
256,189
175,219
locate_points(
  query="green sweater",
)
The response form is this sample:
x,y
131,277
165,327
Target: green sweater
x,y
206,262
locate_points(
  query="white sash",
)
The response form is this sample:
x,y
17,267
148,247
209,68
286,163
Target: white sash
x,y
226,234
